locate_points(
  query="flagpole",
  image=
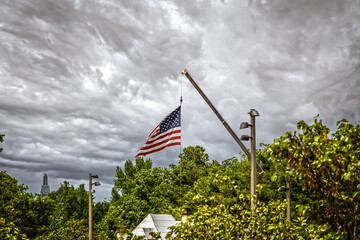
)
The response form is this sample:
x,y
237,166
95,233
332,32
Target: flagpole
x,y
222,120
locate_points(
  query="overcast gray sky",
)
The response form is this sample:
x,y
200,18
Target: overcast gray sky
x,y
83,82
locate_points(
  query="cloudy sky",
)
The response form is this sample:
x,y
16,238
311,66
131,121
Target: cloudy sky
x,y
83,82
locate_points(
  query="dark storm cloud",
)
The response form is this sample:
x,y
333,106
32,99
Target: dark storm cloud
x,y
76,77
84,82
311,58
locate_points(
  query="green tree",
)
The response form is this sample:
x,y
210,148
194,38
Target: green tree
x,y
21,209
22,214
139,189
125,179
328,169
192,165
238,222
8,230
71,202
72,229
10,196
226,214
100,210
70,207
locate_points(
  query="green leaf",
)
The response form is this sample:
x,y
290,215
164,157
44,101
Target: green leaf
x,y
347,176
274,178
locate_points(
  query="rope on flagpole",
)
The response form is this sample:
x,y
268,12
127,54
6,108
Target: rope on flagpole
x,y
181,100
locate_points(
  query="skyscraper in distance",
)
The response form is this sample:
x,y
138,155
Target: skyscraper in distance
x,y
45,188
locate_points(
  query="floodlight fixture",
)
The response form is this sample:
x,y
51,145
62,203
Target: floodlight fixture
x,y
97,183
187,211
283,189
254,113
244,125
245,137
95,176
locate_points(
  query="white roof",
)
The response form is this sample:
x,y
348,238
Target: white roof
x,y
155,223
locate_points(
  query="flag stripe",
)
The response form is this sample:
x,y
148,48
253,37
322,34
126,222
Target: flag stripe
x,y
159,136
158,149
159,143
157,129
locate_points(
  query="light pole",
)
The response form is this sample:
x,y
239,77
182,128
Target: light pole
x,y
287,189
91,204
253,113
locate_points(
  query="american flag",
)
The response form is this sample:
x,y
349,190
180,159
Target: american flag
x,y
166,134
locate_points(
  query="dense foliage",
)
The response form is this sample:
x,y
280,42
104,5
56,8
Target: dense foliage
x,y
325,194
329,170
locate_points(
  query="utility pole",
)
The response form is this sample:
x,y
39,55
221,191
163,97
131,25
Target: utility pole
x,y
90,209
91,204
253,113
288,210
253,157
287,189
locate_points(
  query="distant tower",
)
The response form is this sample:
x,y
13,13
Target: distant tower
x,y
45,188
